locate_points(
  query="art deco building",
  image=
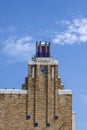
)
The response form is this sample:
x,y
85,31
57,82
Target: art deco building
x,y
42,103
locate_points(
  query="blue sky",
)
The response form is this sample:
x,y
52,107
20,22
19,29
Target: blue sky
x,y
64,23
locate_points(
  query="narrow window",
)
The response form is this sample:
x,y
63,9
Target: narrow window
x,y
33,72
52,72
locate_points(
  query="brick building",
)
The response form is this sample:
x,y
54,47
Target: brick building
x,y
42,103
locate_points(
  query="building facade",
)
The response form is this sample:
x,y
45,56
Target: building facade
x,y
42,103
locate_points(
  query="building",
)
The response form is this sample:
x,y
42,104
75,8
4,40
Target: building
x,y
42,103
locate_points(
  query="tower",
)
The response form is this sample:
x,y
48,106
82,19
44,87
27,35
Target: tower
x,y
42,103
49,105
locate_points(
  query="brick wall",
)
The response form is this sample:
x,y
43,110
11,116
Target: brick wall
x,y
42,103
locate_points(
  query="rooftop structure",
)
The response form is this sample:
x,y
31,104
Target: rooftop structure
x,y
43,49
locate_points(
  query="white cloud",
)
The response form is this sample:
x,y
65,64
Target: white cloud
x,y
64,22
23,48
75,32
18,49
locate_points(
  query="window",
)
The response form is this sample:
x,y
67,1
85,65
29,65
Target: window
x,y
33,72
52,72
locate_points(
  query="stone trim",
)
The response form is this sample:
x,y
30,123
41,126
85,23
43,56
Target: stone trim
x,y
64,92
13,91
43,61
73,121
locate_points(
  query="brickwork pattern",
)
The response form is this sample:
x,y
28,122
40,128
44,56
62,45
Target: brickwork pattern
x,y
41,103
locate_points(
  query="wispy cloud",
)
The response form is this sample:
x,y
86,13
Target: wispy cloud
x,y
23,48
75,32
18,49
